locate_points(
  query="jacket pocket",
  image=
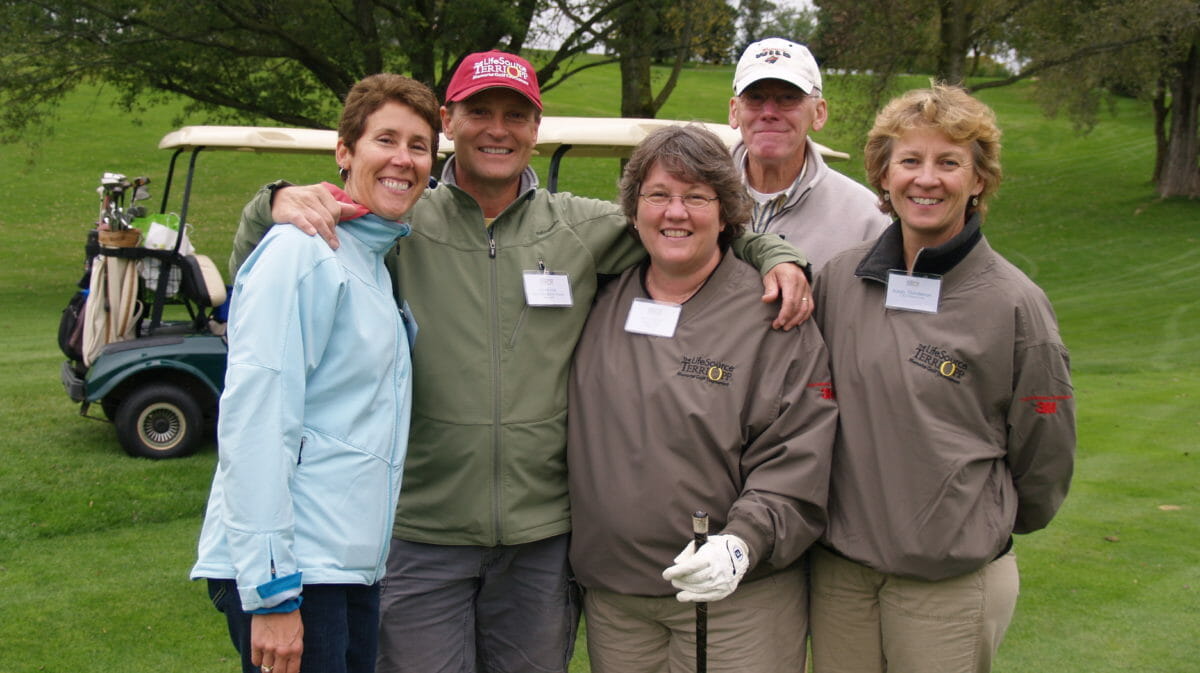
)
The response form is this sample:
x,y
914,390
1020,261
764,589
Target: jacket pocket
x,y
516,333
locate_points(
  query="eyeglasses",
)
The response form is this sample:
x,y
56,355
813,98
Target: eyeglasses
x,y
755,100
692,201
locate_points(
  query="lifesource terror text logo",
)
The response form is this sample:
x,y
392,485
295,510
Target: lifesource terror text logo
x,y
496,66
940,361
705,369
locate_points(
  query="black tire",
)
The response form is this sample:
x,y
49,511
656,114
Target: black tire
x,y
159,421
110,406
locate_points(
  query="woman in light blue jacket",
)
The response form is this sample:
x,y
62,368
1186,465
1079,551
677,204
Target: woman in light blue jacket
x,y
314,418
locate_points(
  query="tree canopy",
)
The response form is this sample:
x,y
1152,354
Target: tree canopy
x,y
237,60
1081,53
293,62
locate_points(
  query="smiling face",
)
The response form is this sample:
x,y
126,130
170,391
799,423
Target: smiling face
x,y
930,179
774,135
389,164
680,240
494,132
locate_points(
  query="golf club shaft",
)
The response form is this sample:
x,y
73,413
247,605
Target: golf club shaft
x,y
700,535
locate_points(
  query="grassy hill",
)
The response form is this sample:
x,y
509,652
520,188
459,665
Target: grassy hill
x,y
95,547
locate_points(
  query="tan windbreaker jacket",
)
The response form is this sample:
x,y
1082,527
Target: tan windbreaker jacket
x,y
957,428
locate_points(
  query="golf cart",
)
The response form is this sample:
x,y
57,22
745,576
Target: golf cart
x,y
159,380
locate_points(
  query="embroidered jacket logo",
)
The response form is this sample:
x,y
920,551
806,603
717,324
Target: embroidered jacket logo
x,y
824,390
1045,404
939,361
705,369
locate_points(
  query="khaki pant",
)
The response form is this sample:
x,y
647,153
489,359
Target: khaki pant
x,y
758,629
867,622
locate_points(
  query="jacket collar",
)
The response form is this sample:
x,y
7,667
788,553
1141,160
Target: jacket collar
x,y
374,231
710,291
888,252
814,171
529,185
377,233
529,178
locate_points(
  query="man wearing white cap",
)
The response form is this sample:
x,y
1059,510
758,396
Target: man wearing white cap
x,y
777,101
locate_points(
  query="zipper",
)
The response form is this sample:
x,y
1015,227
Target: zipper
x,y
400,343
496,388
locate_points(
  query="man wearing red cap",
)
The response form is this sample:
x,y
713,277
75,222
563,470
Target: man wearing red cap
x,y
500,276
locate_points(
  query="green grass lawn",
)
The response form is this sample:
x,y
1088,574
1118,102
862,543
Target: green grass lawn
x,y
95,546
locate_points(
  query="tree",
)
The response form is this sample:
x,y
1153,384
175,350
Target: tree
x,y
1081,52
763,18
664,31
245,60
1141,48
638,35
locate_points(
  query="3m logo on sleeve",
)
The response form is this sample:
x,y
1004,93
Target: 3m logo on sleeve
x,y
1045,404
824,389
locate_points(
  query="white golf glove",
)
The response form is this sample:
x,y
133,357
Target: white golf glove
x,y
711,573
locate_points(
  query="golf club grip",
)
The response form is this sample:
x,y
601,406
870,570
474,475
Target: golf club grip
x,y
700,528
700,536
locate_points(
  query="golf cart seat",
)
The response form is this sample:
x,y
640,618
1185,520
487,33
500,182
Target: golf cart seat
x,y
202,281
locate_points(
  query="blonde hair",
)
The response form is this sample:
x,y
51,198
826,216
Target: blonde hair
x,y
963,118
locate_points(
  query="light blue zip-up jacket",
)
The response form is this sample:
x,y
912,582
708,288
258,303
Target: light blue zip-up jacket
x,y
314,418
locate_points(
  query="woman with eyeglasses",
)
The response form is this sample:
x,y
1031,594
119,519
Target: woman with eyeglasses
x,y
957,424
682,398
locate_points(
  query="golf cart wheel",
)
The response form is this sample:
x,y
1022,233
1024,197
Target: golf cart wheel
x,y
159,421
110,406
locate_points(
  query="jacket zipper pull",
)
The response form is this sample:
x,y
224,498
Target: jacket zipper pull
x,y
491,246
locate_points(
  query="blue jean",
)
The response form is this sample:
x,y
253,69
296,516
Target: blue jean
x,y
341,626
466,609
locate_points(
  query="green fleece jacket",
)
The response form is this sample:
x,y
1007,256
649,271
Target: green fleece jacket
x,y
487,450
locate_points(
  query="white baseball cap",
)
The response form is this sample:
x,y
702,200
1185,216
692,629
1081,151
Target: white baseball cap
x,y
777,58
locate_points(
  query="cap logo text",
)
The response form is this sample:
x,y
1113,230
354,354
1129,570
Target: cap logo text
x,y
771,55
501,67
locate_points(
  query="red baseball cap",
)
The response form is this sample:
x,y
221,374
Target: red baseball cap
x,y
490,69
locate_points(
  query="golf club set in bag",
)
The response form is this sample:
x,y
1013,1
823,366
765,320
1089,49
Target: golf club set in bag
x,y
108,306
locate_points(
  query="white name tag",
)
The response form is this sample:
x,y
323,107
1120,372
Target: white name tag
x,y
656,318
543,288
913,292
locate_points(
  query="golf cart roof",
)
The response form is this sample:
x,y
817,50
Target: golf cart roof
x,y
582,136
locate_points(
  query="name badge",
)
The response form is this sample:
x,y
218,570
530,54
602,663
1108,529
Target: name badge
x,y
913,292
655,318
543,288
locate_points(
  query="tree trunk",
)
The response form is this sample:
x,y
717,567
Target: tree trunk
x,y
636,99
953,47
1161,112
1181,170
637,29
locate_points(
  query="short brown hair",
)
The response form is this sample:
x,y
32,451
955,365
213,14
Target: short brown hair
x,y
964,119
693,153
373,92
